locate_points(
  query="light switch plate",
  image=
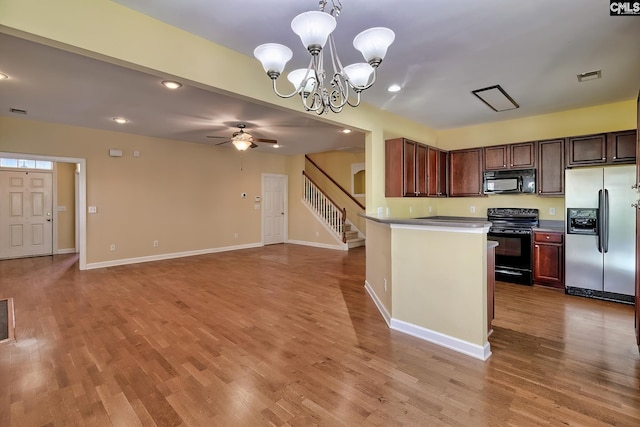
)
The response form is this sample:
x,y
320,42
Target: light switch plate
x,y
93,209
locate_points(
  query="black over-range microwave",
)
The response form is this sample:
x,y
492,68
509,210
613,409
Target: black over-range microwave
x,y
509,181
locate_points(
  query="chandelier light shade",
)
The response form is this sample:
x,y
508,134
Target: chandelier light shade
x,y
321,90
313,28
273,56
373,43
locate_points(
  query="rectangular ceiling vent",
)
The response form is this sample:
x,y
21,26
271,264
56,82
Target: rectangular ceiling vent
x,y
18,111
590,75
496,98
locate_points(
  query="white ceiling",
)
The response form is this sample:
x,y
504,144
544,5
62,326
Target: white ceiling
x,y
443,50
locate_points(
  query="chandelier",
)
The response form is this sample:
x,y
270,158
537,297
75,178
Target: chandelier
x,y
318,90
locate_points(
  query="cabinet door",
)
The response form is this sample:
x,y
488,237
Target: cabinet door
x,y
421,170
443,167
394,168
432,154
465,173
551,167
523,155
496,157
548,258
621,147
586,150
409,172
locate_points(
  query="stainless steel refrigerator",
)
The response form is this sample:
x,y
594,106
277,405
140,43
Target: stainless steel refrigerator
x,y
601,228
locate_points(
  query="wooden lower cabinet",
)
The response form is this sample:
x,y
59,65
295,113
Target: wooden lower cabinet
x,y
548,258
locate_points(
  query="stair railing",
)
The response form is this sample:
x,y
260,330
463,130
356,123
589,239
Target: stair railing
x,y
334,216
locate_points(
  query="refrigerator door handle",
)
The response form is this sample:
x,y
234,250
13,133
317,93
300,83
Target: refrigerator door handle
x,y
605,231
600,224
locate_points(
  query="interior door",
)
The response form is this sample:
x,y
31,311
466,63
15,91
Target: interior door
x,y
26,207
274,202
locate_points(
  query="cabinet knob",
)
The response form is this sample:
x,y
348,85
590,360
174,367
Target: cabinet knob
x,y
604,158
547,237
504,166
615,157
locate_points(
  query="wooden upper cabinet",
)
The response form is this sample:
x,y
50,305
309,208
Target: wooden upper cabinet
x,y
621,146
511,156
421,170
443,173
523,155
405,168
586,150
465,172
550,174
496,157
437,172
601,149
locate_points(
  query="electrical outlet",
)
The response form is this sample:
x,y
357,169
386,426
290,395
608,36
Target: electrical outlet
x,y
472,209
155,243
235,235
380,211
317,234
552,211
429,209
112,247
410,210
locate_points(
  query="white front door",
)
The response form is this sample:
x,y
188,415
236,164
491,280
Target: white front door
x,y
26,214
274,208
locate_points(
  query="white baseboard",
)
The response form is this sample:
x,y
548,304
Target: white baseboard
x,y
456,344
383,311
161,257
66,251
343,247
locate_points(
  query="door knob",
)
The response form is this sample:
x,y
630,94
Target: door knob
x,y
48,219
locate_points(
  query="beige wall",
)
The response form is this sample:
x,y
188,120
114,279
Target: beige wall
x,y
66,219
185,195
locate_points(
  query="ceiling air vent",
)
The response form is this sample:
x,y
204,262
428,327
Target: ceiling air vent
x,y
18,111
590,75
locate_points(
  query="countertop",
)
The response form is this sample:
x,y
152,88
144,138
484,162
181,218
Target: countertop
x,y
550,225
437,221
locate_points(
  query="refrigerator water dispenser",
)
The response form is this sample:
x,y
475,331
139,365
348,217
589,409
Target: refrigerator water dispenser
x,y
582,221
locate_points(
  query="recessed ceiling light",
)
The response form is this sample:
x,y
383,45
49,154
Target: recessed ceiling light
x,y
346,130
589,75
394,88
3,76
120,120
171,84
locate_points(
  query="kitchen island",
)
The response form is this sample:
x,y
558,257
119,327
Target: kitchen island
x,y
428,278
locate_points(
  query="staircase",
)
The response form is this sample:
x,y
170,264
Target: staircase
x,y
334,217
351,237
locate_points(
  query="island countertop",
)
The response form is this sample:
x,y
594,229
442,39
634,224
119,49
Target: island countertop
x,y
434,221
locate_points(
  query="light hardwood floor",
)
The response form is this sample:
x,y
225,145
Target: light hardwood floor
x,y
286,335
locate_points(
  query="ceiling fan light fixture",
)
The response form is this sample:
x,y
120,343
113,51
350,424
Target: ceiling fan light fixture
x,y
241,144
120,120
3,76
322,90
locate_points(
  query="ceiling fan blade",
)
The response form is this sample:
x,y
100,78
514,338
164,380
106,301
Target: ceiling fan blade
x,y
253,145
220,143
212,136
270,141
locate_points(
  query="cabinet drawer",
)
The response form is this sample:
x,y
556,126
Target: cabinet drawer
x,y
547,237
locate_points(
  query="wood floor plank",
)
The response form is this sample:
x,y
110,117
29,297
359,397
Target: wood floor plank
x,y
286,335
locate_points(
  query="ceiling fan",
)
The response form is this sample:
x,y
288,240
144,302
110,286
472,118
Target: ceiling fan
x,y
243,140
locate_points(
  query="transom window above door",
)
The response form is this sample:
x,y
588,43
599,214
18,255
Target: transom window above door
x,y
25,164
